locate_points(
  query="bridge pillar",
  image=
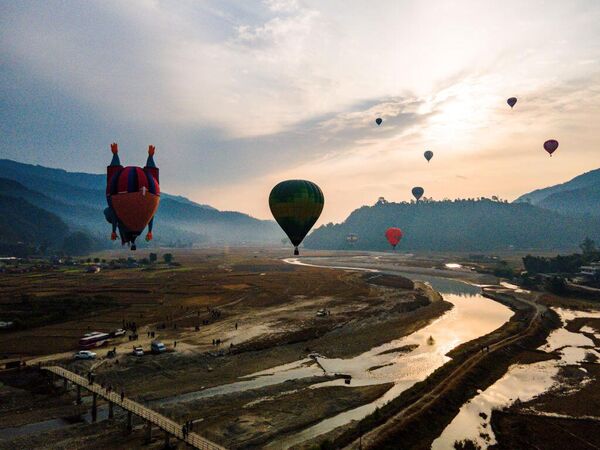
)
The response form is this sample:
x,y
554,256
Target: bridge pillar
x,y
129,422
94,406
167,438
65,383
148,432
111,413
78,395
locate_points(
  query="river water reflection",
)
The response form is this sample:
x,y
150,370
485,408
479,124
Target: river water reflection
x,y
472,316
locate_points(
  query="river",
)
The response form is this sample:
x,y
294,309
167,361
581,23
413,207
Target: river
x,y
472,316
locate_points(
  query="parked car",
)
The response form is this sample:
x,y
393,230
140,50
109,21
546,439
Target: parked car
x,y
137,351
119,332
158,347
85,354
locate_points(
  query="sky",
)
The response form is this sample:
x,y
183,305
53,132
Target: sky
x,y
239,95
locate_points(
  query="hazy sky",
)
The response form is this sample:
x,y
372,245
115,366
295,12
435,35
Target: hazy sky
x,y
238,95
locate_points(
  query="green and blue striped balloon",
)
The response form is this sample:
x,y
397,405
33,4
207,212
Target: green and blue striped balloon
x,y
296,206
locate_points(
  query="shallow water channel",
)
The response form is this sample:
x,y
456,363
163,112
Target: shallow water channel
x,y
472,316
521,381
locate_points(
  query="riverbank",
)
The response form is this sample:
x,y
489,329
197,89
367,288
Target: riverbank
x,y
419,415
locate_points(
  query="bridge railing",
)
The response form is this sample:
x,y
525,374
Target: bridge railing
x,y
136,408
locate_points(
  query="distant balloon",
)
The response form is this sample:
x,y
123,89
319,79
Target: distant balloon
x,y
418,192
550,146
296,206
393,235
512,102
428,155
378,121
352,238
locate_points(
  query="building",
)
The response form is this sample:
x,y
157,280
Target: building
x,y
590,272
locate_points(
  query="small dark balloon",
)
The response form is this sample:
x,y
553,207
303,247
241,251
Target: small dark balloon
x,y
418,192
378,121
428,155
512,101
550,146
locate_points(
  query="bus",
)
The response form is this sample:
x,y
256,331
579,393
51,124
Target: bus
x,y
93,339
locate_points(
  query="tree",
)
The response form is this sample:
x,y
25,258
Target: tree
x,y
588,246
152,257
168,257
96,260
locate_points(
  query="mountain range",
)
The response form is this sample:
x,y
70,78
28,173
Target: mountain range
x,y
553,218
42,206
458,225
577,197
75,202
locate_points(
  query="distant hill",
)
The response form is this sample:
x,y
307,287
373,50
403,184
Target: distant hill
x,y
79,199
461,225
577,197
22,223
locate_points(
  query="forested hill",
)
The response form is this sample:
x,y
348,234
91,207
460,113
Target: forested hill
x,y
460,225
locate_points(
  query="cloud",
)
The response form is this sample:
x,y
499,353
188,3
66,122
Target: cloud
x,y
237,95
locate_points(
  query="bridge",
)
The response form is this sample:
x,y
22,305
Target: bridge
x,y
151,417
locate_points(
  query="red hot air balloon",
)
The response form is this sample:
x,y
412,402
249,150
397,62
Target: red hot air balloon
x,y
550,146
133,195
512,102
393,235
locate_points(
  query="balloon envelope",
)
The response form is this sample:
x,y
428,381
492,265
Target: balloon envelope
x,y
428,155
393,235
134,195
512,101
296,206
550,146
378,121
418,192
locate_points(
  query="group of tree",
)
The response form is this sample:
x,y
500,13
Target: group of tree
x,y
477,225
563,264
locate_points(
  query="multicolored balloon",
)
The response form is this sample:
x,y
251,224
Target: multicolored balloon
x,y
428,155
418,192
393,235
550,146
296,206
512,102
133,195
378,121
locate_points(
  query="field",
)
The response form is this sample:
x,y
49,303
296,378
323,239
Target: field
x,y
262,311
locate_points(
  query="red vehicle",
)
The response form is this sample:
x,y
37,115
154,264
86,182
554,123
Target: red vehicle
x,y
93,339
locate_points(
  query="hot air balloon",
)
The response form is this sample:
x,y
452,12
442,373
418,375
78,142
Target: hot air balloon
x,y
393,235
418,192
512,102
428,155
296,206
550,146
378,121
133,195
